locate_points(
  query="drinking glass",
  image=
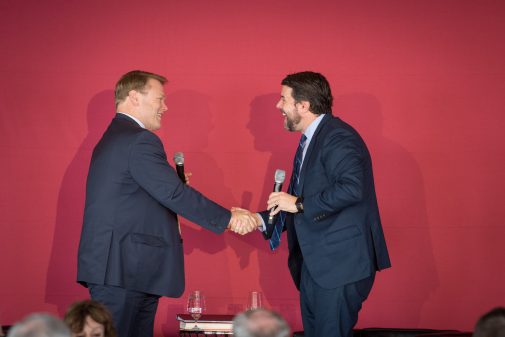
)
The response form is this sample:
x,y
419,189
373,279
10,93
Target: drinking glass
x,y
196,305
255,300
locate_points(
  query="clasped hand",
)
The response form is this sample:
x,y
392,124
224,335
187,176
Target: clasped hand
x,y
242,221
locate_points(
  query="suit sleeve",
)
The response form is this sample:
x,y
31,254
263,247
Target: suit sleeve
x,y
343,161
150,169
267,233
269,229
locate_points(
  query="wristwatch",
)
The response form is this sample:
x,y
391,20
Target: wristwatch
x,y
299,204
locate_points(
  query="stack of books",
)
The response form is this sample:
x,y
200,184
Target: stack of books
x,y
206,323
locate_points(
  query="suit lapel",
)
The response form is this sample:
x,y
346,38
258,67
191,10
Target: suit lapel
x,y
312,145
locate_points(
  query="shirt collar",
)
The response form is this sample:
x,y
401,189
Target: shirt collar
x,y
135,119
309,131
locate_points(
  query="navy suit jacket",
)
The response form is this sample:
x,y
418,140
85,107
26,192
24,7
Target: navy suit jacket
x,y
130,236
339,236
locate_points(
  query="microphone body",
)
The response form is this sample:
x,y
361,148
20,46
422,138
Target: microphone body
x,y
179,165
280,175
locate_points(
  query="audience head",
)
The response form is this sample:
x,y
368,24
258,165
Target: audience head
x,y
491,324
89,319
260,323
39,325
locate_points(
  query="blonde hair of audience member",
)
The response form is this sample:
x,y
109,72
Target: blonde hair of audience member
x,y
89,319
491,324
260,323
39,325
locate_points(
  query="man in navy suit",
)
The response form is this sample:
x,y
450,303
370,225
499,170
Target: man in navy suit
x,y
130,252
335,237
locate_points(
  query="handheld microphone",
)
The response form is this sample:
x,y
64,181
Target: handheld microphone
x,y
280,175
179,165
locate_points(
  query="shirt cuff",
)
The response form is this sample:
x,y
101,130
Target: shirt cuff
x,y
262,226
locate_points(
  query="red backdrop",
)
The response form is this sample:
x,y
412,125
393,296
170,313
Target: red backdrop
x,y
423,81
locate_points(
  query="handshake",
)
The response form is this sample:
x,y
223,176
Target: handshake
x,y
243,222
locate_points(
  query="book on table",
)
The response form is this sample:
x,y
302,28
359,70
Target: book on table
x,y
206,322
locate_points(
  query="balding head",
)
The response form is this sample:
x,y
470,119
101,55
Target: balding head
x,y
491,324
39,325
260,323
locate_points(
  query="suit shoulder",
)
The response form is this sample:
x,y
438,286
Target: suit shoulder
x,y
148,135
337,128
340,134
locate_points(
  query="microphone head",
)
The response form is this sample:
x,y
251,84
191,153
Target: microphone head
x,y
280,175
179,158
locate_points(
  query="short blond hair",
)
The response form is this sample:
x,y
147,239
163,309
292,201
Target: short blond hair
x,y
134,80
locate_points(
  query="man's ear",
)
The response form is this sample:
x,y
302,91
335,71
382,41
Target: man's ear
x,y
133,96
304,106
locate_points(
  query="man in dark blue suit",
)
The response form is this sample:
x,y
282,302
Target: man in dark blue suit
x,y
130,252
335,237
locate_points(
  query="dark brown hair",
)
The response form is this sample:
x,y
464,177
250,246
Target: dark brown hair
x,y
77,313
313,88
134,80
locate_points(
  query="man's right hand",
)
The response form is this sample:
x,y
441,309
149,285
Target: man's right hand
x,y
242,221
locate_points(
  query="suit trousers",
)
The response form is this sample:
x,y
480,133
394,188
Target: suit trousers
x,y
133,312
331,312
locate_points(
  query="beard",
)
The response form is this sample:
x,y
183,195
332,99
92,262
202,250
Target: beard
x,y
290,123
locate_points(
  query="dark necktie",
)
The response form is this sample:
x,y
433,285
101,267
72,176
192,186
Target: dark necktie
x,y
293,189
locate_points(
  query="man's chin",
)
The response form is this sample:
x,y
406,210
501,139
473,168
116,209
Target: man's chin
x,y
289,127
286,125
153,127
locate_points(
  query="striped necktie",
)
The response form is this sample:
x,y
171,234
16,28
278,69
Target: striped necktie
x,y
275,240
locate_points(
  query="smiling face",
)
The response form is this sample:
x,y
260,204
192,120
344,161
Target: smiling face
x,y
290,110
152,104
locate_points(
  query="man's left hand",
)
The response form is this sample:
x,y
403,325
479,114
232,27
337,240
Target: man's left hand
x,y
281,201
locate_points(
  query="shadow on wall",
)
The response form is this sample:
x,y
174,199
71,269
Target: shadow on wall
x,y
400,192
61,287
186,128
187,125
266,125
